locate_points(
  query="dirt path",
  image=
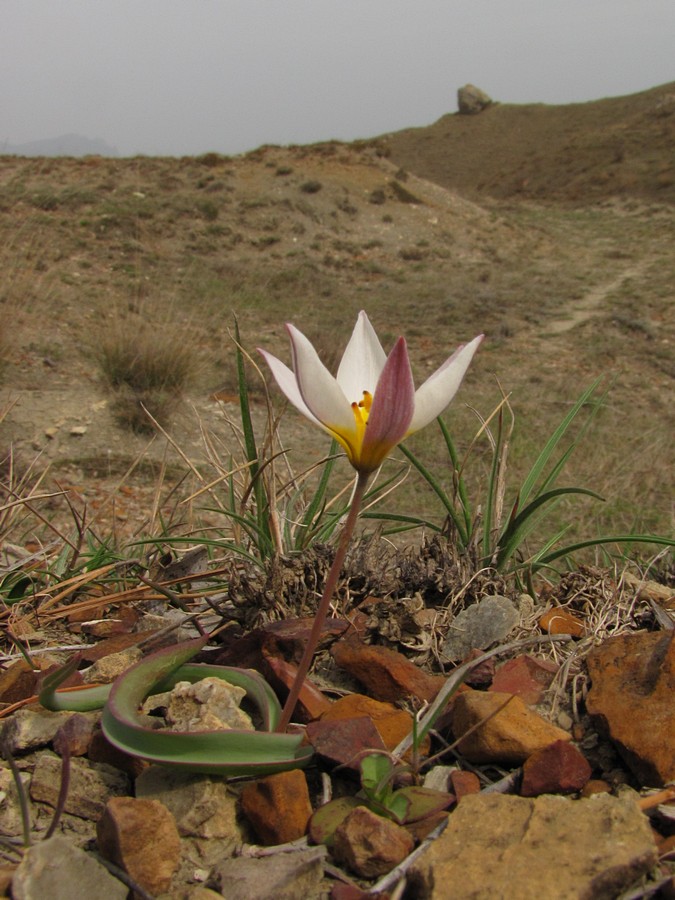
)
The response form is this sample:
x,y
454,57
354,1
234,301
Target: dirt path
x,y
589,305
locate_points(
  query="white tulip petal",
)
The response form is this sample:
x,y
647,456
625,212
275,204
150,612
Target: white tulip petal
x,y
438,390
288,383
362,361
319,390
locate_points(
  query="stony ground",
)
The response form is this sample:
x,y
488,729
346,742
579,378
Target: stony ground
x,y
546,743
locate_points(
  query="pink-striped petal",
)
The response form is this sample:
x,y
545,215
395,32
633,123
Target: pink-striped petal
x,y
438,390
392,409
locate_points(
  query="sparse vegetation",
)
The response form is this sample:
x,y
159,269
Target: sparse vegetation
x,y
148,364
563,292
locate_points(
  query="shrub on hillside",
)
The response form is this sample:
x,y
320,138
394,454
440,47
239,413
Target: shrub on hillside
x,y
148,365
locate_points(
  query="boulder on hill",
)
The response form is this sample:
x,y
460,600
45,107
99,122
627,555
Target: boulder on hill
x,y
471,100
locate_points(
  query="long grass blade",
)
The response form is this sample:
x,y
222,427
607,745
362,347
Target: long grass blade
x,y
549,448
658,540
524,523
261,500
433,483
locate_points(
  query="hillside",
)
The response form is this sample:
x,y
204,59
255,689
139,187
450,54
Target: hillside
x,y
313,234
582,152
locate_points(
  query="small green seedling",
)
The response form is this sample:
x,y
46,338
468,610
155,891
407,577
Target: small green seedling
x,y
402,805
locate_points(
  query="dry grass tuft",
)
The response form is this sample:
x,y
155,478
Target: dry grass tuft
x,y
148,364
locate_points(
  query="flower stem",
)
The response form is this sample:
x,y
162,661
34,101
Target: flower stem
x,y
324,604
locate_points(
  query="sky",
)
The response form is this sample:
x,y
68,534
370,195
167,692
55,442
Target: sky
x,y
184,77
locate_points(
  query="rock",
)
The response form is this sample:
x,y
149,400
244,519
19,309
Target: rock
x,y
57,869
525,676
463,783
387,674
479,626
631,699
596,786
31,728
286,876
480,675
278,806
101,750
106,669
370,845
202,893
342,742
438,777
557,769
91,785
19,680
202,805
75,734
392,724
651,590
560,621
116,644
471,100
10,809
508,737
140,836
207,705
281,674
548,848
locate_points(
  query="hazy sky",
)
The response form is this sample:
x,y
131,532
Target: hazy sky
x,y
188,76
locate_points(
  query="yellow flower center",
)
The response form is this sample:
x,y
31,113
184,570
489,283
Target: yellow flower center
x,y
361,411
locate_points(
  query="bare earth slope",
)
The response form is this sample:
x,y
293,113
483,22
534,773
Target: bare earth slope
x,y
426,229
580,152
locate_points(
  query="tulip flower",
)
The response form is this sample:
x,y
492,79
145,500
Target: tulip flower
x,y
372,404
369,407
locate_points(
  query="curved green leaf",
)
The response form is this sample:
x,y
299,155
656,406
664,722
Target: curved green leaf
x,y
228,752
522,524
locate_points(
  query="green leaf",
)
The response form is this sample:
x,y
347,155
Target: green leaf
x,y
394,806
457,476
228,752
423,802
523,524
376,772
658,540
549,448
440,493
261,500
328,818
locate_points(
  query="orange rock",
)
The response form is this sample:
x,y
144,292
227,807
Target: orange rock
x,y
141,837
392,724
560,621
463,783
631,698
387,674
311,703
343,742
370,845
19,680
596,786
278,806
525,676
557,769
507,735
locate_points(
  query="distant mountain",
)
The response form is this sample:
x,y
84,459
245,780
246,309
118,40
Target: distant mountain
x,y
65,145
